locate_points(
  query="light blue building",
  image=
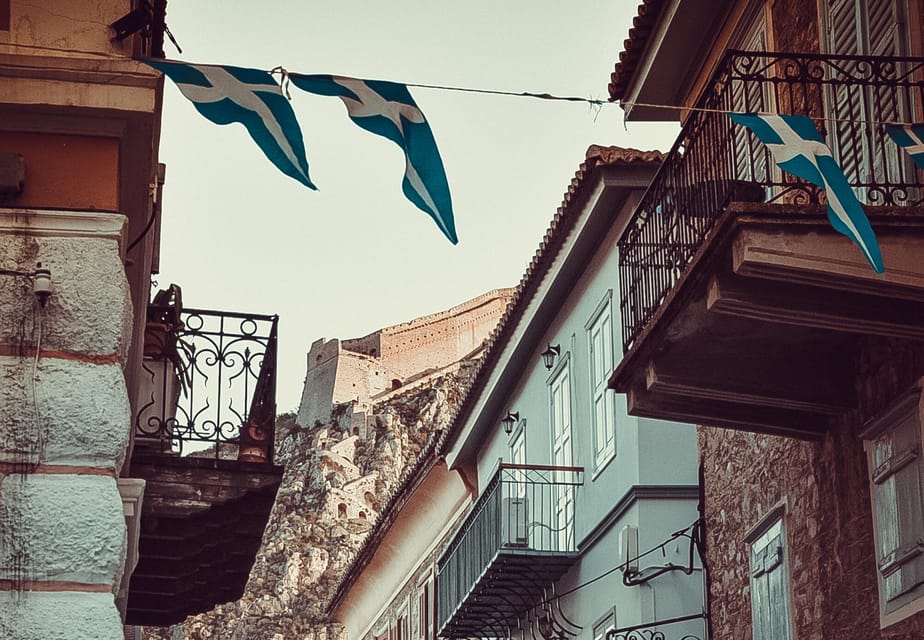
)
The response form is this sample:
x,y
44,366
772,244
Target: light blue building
x,y
532,514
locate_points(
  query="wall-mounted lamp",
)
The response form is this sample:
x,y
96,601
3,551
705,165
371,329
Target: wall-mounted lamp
x,y
510,420
41,284
549,355
41,281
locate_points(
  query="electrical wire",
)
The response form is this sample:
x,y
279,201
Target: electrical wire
x,y
623,565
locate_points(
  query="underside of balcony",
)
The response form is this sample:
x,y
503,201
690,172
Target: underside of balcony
x,y
515,582
202,521
761,330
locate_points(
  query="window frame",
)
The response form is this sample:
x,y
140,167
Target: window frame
x,y
562,377
905,413
603,452
758,542
604,624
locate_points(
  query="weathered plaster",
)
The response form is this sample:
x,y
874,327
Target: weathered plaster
x,y
35,615
77,416
65,528
89,311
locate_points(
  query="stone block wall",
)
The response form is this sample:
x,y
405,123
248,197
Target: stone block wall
x,y
828,521
65,426
359,369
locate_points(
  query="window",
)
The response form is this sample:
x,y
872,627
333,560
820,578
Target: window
x,y
425,608
893,449
770,619
864,27
402,628
603,414
604,624
518,444
560,400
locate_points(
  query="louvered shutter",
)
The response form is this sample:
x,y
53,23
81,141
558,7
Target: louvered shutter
x,y
856,113
748,97
896,460
769,590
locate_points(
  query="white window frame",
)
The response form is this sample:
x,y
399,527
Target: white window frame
x,y
893,444
518,443
604,624
402,626
768,554
426,614
603,435
562,447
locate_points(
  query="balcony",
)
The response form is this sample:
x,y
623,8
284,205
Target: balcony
x,y
741,306
503,562
203,441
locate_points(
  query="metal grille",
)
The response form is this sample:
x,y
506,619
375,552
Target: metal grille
x,y
208,384
714,162
519,512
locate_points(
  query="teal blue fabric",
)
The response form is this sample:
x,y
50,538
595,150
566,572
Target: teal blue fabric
x,y
388,110
909,137
810,159
226,94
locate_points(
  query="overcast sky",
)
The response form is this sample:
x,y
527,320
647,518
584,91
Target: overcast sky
x,y
356,256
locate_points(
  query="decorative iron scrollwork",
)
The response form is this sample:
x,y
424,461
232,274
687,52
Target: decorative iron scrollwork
x,y
849,97
208,384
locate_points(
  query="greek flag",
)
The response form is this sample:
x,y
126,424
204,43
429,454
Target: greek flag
x,y
799,149
250,96
387,109
909,137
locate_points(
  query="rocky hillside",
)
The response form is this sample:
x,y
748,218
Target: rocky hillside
x,y
335,481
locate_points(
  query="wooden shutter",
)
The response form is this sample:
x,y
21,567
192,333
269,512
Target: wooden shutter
x,y
769,589
866,27
896,459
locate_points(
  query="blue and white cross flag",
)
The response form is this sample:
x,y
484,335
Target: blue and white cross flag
x,y
799,149
387,109
252,97
909,137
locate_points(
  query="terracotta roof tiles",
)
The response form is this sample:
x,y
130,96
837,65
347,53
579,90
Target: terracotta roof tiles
x,y
634,46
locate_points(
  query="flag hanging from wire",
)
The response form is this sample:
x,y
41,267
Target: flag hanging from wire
x,y
909,137
387,109
799,149
226,94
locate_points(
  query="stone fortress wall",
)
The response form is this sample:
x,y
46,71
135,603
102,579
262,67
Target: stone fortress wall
x,y
362,370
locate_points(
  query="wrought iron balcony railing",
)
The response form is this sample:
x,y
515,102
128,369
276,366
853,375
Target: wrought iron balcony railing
x,y
525,511
714,161
208,384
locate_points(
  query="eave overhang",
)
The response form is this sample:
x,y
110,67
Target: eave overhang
x,y
762,332
608,193
661,61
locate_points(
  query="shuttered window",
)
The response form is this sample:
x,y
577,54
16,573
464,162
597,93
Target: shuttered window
x,y
864,27
560,410
894,452
603,401
769,585
748,97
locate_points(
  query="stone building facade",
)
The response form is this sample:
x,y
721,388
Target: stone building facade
x,y
812,477
824,488
79,126
364,370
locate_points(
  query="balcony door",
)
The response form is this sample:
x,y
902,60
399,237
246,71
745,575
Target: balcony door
x,y
855,112
560,397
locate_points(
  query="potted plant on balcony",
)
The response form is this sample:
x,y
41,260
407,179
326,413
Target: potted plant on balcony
x,y
165,368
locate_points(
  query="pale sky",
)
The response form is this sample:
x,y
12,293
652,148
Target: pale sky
x,y
238,235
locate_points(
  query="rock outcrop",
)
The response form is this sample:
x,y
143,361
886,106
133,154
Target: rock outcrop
x,y
336,479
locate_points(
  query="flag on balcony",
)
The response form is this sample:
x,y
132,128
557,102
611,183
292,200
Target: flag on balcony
x,y
799,149
226,94
909,137
387,109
